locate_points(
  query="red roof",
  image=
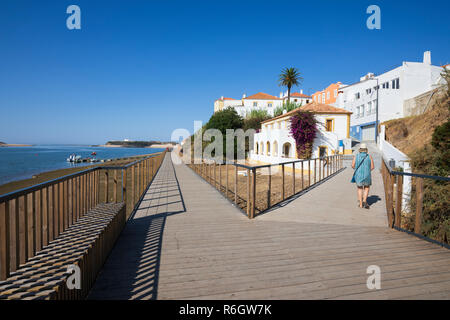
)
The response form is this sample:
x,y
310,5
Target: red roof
x,y
298,94
262,96
225,99
315,108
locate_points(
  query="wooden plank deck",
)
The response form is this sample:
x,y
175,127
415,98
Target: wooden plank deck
x,y
187,241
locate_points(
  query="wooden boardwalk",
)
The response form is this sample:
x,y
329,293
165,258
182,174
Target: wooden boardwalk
x,y
187,241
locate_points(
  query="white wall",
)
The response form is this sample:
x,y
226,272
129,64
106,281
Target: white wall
x,y
278,131
401,160
414,78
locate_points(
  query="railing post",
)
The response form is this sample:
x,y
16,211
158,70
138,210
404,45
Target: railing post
x,y
106,187
38,219
248,193
235,183
269,192
320,169
398,203
419,205
309,173
328,166
23,229
303,185
282,182
124,186
115,186
141,178
226,170
15,234
390,191
315,171
51,206
4,240
45,203
133,186
293,178
253,193
220,177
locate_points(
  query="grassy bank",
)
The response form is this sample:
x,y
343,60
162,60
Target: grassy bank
x,y
54,174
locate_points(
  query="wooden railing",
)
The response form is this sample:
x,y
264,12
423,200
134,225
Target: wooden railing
x,y
32,217
394,196
255,189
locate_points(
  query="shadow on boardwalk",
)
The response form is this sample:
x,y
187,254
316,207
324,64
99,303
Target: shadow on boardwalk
x,y
132,269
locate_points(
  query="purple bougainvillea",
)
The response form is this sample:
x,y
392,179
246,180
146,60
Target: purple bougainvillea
x,y
304,131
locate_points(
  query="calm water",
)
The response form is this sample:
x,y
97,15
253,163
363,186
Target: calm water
x,y
18,163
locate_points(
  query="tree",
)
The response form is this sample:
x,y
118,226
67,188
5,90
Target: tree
x,y
222,120
290,77
225,119
254,118
304,130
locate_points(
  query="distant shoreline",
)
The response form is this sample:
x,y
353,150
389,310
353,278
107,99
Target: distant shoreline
x,y
15,145
153,146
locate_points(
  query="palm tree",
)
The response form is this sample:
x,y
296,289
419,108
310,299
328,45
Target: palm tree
x,y
290,77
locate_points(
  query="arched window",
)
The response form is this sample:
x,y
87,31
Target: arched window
x,y
257,148
261,147
268,148
287,150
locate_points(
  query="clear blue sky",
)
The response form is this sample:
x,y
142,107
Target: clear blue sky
x,y
139,69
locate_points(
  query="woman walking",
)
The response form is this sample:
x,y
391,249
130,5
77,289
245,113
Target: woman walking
x,y
363,165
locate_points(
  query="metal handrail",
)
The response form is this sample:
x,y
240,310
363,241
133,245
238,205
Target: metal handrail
x,y
270,164
20,192
411,174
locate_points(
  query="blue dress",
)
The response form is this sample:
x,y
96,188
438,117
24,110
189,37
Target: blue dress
x,y
363,177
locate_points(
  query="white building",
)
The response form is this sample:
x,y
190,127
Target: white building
x,y
260,101
390,90
224,103
274,143
297,97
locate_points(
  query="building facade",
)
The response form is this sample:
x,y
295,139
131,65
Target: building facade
x,y
260,101
328,95
387,91
224,103
274,143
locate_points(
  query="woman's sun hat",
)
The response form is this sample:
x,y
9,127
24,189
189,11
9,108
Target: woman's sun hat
x,y
362,146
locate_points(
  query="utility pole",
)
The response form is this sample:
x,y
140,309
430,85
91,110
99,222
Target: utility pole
x,y
376,121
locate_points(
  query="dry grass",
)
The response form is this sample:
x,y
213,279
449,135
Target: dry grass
x,y
263,180
412,133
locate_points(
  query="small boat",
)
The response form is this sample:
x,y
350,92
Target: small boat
x,y
93,153
74,158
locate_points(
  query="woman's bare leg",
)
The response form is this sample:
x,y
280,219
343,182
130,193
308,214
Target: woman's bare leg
x,y
360,196
366,194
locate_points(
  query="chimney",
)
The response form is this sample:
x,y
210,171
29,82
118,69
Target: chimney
x,y
427,57
301,91
221,98
244,96
281,95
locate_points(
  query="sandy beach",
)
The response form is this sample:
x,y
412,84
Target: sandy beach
x,y
109,146
161,146
154,146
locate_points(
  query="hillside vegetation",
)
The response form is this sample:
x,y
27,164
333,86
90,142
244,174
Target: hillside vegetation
x,y
426,140
413,133
135,144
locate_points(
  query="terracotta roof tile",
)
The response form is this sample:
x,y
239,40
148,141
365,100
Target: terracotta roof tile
x,y
298,94
313,107
262,96
225,99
